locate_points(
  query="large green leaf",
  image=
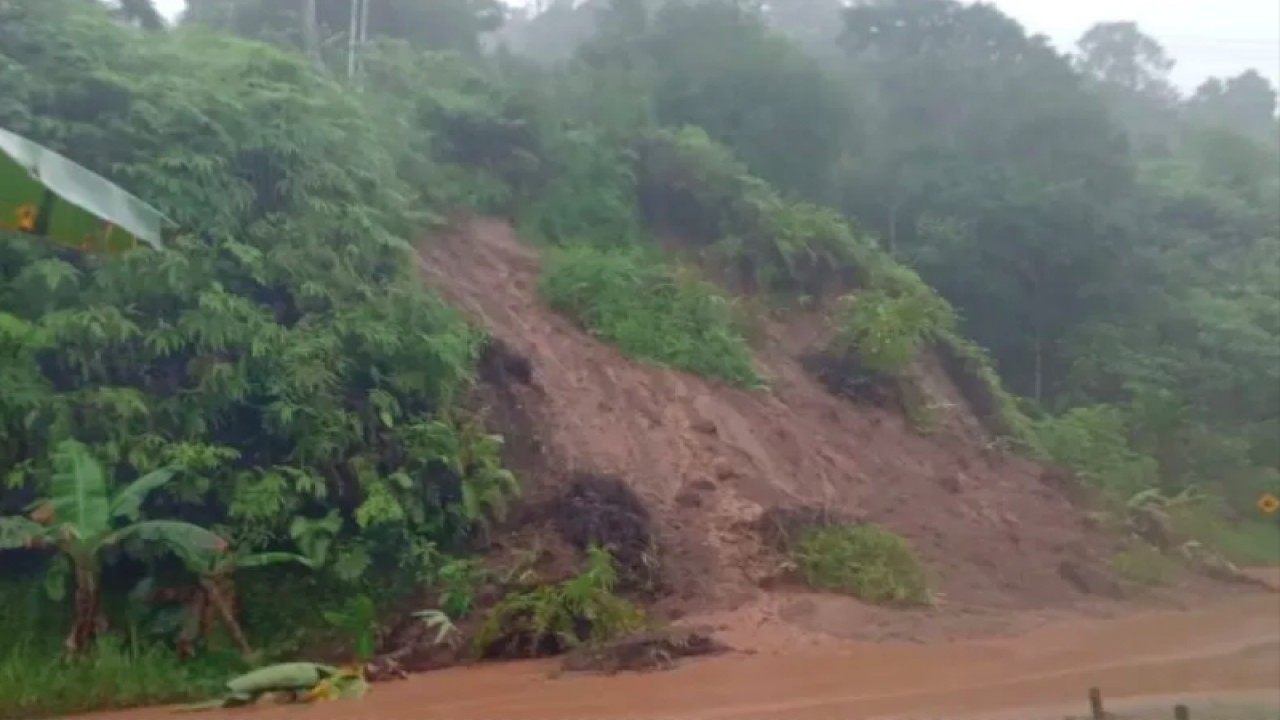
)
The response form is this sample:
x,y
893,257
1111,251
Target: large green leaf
x,y
79,489
271,558
44,193
19,532
196,546
56,577
128,502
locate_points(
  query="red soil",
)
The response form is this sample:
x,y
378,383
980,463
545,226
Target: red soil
x,y
708,458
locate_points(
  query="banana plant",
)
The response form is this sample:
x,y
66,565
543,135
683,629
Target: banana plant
x,y
218,590
83,521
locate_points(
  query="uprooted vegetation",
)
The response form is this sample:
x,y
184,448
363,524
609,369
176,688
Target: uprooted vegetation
x,y
643,652
536,619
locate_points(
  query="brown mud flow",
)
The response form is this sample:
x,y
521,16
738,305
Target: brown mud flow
x,y
1227,648
708,460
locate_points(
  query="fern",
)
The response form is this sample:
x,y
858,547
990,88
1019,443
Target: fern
x,y
583,608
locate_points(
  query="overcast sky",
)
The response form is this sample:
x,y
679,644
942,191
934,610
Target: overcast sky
x,y
1207,37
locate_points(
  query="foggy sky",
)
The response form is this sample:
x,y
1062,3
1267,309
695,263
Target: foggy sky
x,y
1206,37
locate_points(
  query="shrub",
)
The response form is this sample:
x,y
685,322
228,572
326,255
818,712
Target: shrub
x,y
1246,542
282,346
548,619
886,328
864,560
1146,566
972,371
630,298
1093,443
693,187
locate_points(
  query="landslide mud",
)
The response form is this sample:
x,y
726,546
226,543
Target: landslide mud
x,y
1227,649
708,459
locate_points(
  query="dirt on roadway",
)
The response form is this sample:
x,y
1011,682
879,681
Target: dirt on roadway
x,y
1228,649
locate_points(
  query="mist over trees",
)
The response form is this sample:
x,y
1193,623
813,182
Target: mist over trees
x,y
1109,239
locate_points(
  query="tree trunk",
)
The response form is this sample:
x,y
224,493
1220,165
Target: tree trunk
x,y
88,621
223,600
893,230
351,39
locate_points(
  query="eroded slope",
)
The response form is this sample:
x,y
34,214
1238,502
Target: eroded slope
x,y
709,458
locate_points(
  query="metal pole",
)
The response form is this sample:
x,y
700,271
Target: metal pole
x,y
364,33
351,39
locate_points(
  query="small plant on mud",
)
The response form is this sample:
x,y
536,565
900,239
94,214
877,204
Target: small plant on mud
x,y
548,619
457,579
864,560
1145,566
446,632
359,620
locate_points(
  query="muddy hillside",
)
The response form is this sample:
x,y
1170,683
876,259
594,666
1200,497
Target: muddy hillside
x,y
708,461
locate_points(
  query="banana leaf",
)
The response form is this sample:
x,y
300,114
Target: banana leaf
x,y
282,676
45,194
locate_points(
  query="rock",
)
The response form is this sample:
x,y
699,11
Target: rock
x,y
1152,525
688,498
952,483
723,469
1088,580
703,425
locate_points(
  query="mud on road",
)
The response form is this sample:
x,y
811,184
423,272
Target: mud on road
x,y
1225,649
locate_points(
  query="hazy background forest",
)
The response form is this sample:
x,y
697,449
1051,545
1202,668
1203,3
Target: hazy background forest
x,y
1109,241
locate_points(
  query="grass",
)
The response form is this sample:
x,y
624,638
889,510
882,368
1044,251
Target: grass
x,y
863,560
1252,543
38,682
1145,566
630,298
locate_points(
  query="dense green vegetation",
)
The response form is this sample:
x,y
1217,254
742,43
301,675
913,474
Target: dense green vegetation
x,y
931,176
535,618
863,560
650,311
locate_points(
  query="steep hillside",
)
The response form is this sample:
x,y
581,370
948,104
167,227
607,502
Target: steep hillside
x,y
709,459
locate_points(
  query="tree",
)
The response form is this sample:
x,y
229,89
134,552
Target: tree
x,y
1119,54
1131,71
717,65
83,521
1245,104
990,167
143,13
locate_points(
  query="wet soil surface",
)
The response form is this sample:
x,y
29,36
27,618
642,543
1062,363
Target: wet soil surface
x,y
708,460
1230,648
